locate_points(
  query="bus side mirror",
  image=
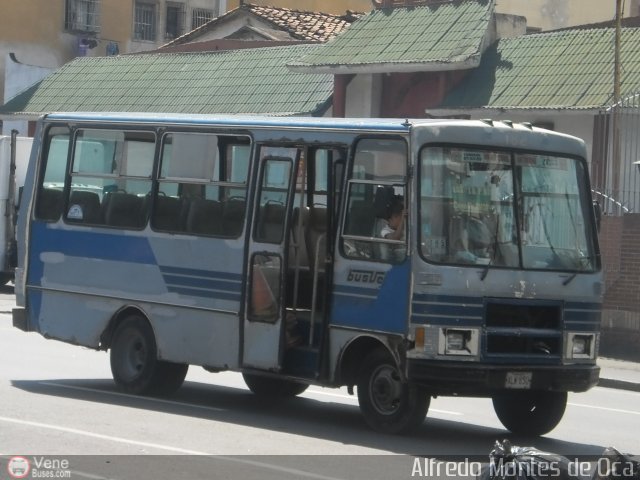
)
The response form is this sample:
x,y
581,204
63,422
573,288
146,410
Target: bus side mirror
x,y
597,213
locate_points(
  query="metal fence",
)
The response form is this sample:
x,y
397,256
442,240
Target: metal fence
x,y
616,149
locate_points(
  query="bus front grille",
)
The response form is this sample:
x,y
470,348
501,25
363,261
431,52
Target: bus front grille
x,y
523,329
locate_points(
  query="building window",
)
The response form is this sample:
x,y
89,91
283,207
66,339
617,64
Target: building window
x,y
200,16
175,21
82,15
144,23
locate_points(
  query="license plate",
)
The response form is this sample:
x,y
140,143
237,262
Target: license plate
x,y
518,380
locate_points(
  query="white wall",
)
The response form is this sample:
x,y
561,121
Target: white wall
x,y
553,14
363,96
565,121
17,77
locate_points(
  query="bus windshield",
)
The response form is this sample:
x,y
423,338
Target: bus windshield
x,y
504,209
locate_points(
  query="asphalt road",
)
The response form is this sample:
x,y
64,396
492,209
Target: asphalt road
x,y
58,401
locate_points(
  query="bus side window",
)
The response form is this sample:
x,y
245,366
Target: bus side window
x,y
111,178
377,180
202,184
49,200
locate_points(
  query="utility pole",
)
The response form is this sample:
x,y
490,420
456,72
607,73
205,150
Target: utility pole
x,y
617,67
615,120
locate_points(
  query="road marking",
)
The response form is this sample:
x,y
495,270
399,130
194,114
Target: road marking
x,y
617,390
293,471
101,437
137,397
617,410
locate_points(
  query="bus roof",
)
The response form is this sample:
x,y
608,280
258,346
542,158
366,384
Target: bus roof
x,y
392,124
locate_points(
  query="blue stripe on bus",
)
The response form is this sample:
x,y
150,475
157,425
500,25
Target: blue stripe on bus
x,y
91,244
455,299
458,310
177,281
448,309
446,321
586,317
198,273
583,306
356,292
211,294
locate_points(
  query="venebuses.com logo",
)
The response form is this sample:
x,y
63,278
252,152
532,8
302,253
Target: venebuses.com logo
x,y
18,467
38,467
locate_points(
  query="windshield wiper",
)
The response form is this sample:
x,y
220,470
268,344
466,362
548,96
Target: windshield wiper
x,y
485,271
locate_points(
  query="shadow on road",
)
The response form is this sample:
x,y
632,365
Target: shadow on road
x,y
337,422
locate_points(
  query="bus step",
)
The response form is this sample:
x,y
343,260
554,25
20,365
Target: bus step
x,y
301,361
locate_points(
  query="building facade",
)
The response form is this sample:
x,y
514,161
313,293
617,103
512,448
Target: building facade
x,y
41,36
337,7
554,14
542,14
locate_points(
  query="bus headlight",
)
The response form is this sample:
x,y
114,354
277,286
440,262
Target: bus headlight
x,y
580,345
459,341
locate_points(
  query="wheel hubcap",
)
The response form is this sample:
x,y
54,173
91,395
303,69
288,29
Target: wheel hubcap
x,y
135,356
386,390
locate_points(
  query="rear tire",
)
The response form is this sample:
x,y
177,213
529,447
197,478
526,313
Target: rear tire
x,y
530,413
134,361
388,404
273,387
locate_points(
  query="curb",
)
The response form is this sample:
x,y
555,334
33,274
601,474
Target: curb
x,y
619,384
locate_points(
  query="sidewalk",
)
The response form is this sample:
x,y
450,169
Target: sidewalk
x,y
619,374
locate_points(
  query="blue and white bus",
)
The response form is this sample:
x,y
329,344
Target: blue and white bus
x,y
256,245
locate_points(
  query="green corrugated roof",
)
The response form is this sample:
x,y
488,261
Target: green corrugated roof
x,y
236,81
406,38
565,69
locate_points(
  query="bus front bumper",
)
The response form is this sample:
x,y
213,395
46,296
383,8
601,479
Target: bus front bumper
x,y
448,378
19,316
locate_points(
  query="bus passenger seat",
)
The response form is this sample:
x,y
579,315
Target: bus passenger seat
x,y
315,237
49,204
123,210
168,214
361,222
361,219
233,217
205,217
297,237
271,223
84,207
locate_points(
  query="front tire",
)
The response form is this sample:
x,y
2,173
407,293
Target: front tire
x,y
273,387
134,361
530,413
388,404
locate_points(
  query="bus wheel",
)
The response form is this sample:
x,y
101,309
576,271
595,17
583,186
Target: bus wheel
x,y
273,387
134,361
388,404
530,413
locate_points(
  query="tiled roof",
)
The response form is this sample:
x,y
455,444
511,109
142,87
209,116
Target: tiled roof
x,y
239,81
300,25
315,26
438,36
569,69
